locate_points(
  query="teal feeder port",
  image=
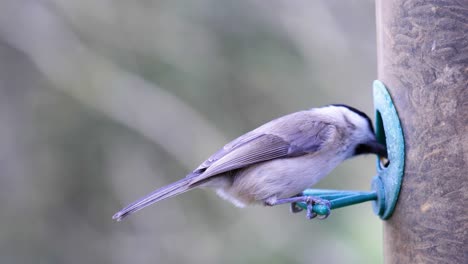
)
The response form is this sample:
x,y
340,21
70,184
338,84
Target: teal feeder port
x,y
385,187
388,181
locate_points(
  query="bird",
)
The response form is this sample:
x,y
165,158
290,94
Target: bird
x,y
275,162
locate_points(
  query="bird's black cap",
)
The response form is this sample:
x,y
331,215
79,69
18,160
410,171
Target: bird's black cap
x,y
359,112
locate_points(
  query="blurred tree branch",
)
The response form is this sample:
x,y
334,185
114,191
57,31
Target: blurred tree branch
x,y
58,53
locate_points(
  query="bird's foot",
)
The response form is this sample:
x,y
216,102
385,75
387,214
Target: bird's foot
x,y
310,201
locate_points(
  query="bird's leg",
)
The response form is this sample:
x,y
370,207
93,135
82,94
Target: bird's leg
x,y
309,200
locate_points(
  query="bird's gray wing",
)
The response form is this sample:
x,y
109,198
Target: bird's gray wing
x,y
228,148
255,147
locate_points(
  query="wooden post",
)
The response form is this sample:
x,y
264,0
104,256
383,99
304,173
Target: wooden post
x,y
423,60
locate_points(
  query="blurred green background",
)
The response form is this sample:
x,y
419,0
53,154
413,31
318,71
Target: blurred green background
x,y
103,101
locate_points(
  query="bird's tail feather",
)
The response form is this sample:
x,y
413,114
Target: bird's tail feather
x,y
170,190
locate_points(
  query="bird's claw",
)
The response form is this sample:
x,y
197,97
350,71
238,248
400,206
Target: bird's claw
x,y
311,201
294,208
322,217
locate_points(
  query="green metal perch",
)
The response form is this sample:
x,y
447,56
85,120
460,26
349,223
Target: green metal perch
x,y
337,198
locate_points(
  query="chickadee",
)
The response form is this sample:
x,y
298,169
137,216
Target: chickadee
x,y
274,163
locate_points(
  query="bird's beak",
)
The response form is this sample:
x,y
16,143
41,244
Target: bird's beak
x,y
372,147
377,148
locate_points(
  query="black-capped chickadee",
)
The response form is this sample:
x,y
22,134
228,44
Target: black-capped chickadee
x,y
274,163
